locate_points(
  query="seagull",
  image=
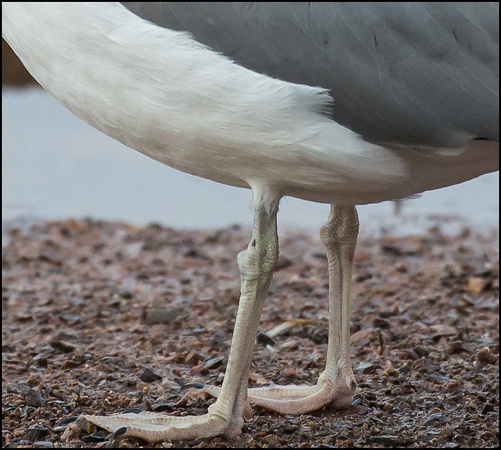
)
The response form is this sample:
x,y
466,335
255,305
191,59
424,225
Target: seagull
x,y
339,103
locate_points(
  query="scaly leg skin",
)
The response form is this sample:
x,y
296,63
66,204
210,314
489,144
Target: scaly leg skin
x,y
337,382
225,416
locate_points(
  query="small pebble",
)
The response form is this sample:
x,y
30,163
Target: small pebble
x,y
148,376
33,398
43,444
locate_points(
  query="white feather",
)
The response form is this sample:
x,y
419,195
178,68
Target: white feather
x,y
164,94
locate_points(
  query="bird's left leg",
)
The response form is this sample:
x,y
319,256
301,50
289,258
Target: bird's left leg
x,y
225,416
336,383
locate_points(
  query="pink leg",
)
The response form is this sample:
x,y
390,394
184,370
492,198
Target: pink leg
x,y
225,416
337,382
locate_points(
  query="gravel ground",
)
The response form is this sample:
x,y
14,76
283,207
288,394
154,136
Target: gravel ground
x,y
101,316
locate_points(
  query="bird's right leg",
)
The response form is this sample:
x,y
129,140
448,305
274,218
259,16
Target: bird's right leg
x,y
336,383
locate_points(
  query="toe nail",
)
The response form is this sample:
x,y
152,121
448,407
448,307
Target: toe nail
x,y
120,431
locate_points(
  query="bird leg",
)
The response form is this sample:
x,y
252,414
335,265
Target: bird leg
x,y
225,416
337,382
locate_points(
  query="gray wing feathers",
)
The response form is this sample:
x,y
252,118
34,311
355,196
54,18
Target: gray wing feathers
x,y
399,73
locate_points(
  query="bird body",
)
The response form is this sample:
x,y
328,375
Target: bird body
x,y
164,94
399,73
338,103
